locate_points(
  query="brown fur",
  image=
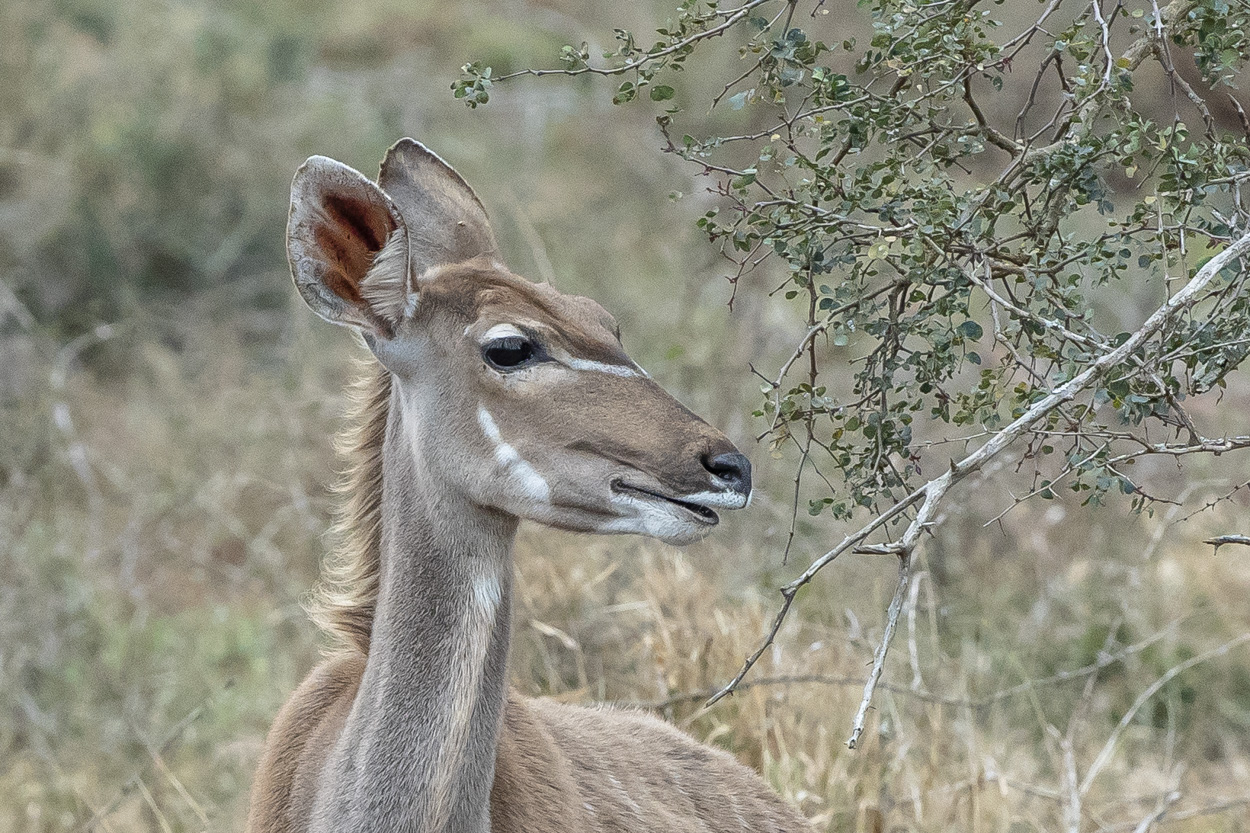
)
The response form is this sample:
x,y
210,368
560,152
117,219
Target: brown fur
x,y
298,742
411,726
558,768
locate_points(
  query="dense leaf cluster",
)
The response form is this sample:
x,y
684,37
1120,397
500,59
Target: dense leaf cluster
x,y
963,255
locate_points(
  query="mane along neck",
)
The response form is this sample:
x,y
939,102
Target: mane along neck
x,y
346,599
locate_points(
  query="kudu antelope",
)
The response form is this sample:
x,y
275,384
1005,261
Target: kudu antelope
x,y
492,399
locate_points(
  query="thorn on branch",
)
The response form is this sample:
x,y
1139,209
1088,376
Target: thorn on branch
x,y
1241,115
893,548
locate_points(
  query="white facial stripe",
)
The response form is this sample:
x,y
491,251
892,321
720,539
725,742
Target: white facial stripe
x,y
599,367
526,477
489,428
625,371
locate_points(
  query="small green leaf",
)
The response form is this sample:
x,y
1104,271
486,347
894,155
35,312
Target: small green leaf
x,y
662,92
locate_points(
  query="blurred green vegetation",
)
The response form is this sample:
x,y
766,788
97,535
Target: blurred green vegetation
x,y
146,146
166,405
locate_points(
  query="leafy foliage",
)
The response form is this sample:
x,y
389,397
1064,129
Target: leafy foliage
x,y
958,257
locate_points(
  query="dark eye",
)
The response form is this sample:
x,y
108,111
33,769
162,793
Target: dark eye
x,y
509,353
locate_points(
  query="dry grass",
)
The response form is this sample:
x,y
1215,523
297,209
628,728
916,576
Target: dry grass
x,y
163,486
150,620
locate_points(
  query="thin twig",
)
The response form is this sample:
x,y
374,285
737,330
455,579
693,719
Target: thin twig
x,y
733,16
1165,802
1130,59
788,592
172,737
1104,660
1108,749
1096,5
935,490
1184,815
878,660
1220,540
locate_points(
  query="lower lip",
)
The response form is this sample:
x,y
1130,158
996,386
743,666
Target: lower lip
x,y
701,514
706,516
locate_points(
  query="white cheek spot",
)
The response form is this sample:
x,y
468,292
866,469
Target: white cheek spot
x,y
532,484
506,455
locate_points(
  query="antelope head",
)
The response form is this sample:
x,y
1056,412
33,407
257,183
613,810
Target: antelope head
x,y
517,396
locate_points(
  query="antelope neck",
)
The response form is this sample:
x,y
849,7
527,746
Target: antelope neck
x,y
417,752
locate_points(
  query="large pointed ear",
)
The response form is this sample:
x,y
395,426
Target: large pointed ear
x,y
445,220
348,247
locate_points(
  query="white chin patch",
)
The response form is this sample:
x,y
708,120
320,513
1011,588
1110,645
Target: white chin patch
x,y
670,524
718,500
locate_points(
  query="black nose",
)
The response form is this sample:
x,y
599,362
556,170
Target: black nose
x,y
732,469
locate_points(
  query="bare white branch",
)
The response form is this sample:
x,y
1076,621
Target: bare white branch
x,y
930,494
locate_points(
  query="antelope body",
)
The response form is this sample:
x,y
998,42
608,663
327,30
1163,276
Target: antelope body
x,y
492,399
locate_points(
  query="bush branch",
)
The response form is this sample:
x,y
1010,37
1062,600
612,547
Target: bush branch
x,y
932,492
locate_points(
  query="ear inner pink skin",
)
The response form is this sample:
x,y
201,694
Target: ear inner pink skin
x,y
338,224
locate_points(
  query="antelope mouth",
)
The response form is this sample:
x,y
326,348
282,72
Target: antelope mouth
x,y
703,514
